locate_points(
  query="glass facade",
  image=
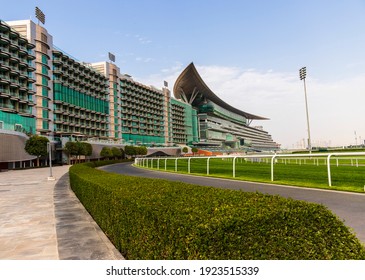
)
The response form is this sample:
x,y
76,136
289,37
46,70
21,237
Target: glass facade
x,y
142,113
11,121
184,123
16,89
80,97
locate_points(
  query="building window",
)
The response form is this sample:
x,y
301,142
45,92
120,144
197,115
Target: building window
x,y
43,37
18,127
44,49
45,125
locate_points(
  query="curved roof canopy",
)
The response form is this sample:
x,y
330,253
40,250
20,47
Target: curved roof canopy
x,y
189,85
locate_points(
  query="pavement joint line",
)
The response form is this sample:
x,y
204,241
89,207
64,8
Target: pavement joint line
x,y
30,220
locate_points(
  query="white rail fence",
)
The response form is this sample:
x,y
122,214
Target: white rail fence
x,y
272,159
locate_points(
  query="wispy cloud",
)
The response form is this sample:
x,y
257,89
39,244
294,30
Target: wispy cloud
x,y
145,60
142,40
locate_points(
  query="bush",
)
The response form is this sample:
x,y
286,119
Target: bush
x,y
117,153
78,149
159,219
106,152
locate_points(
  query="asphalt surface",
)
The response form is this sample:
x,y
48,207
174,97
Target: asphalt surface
x,y
349,207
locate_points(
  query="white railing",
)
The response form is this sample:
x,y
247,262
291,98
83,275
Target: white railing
x,y
148,162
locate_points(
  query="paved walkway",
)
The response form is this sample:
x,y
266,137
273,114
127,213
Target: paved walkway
x,y
43,220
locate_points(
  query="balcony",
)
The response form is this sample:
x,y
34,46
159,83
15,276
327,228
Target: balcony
x,y
4,65
4,52
4,40
7,107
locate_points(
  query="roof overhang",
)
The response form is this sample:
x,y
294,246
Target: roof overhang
x,y
189,84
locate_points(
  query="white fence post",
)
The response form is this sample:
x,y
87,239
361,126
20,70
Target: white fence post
x,y
234,167
165,163
176,164
208,165
329,169
272,167
189,165
158,164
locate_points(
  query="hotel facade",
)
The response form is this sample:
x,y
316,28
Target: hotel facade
x,y
45,91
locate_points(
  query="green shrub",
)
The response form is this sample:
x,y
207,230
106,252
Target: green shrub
x,y
117,152
159,219
106,152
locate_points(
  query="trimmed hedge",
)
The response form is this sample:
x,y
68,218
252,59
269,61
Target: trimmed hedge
x,y
159,219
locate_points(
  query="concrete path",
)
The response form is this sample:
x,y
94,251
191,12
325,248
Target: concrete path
x,y
43,220
350,207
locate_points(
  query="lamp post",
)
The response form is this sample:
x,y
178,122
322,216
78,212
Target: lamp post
x,y
302,75
50,178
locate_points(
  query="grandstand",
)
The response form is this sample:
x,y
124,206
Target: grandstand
x,y
221,127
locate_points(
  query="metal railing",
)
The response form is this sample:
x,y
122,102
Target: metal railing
x,y
148,162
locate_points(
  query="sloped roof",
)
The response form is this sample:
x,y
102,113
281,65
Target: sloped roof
x,y
189,81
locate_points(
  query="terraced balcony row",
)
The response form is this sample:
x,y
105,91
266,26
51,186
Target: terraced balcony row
x,y
79,68
127,86
75,77
99,92
141,106
15,106
142,100
90,132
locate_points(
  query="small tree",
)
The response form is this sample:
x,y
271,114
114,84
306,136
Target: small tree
x,y
130,150
87,149
117,153
77,149
36,146
71,149
106,152
142,151
185,150
194,150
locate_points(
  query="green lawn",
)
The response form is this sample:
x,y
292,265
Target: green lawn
x,y
299,172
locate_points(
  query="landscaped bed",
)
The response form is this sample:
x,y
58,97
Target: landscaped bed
x,y
159,219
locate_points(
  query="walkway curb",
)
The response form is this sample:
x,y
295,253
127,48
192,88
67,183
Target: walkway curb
x,y
78,235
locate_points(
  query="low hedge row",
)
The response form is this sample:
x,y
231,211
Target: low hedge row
x,y
160,219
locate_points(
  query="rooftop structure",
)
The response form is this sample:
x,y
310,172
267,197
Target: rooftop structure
x,y
220,124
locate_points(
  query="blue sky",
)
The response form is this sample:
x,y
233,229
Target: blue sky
x,y
248,52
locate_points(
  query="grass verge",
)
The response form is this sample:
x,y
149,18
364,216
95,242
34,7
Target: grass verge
x,y
344,177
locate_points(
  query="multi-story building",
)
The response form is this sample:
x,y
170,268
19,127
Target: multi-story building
x,y
138,113
45,91
43,42
17,91
81,101
183,123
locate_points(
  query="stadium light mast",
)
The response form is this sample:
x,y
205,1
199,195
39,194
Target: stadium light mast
x,y
303,75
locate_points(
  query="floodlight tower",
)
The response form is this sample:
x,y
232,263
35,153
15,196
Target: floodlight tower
x,y
303,75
